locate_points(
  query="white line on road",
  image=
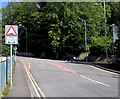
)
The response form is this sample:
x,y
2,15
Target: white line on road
x,y
94,81
77,74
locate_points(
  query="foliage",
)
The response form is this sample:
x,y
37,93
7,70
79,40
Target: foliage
x,y
115,19
59,27
117,50
98,46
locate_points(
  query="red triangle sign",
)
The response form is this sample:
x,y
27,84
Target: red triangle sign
x,y
11,32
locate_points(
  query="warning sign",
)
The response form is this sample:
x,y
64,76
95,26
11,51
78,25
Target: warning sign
x,y
11,34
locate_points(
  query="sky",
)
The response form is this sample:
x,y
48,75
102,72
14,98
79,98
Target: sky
x,y
4,4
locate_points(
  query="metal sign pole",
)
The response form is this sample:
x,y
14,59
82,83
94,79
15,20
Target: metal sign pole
x,y
15,56
11,64
15,48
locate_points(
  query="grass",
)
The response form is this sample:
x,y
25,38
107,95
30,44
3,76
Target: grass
x,y
7,88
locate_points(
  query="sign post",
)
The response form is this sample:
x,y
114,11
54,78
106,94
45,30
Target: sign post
x,y
11,37
15,48
10,64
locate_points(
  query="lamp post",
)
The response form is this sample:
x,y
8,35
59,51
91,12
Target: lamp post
x,y
26,37
85,36
105,31
106,48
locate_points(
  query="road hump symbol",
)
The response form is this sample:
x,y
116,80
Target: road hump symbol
x,y
11,32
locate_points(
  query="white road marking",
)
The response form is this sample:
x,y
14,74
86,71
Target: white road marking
x,y
94,81
72,71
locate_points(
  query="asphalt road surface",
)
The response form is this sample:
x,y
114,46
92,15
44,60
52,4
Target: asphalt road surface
x,y
65,79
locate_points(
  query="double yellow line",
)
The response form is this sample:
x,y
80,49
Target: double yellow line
x,y
37,89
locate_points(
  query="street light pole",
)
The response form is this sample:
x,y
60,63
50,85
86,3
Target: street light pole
x,y
85,36
106,49
85,39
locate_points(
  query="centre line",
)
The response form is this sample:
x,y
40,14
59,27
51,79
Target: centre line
x,y
94,81
63,66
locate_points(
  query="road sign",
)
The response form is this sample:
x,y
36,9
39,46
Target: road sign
x,y
15,48
11,34
11,37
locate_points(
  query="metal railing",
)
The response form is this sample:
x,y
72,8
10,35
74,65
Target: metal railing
x,y
5,72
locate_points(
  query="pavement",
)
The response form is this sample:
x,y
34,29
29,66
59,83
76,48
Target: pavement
x,y
20,87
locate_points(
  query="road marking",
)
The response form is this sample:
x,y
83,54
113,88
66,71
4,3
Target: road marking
x,y
35,86
94,81
63,66
27,65
30,78
105,70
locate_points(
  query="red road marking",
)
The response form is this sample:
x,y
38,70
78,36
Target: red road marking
x,y
27,64
63,66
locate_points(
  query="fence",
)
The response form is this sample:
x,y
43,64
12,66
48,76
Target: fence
x,y
5,72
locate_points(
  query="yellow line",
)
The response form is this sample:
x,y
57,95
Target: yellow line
x,y
34,86
104,70
30,79
38,87
34,82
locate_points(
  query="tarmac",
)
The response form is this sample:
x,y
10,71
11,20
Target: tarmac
x,y
20,87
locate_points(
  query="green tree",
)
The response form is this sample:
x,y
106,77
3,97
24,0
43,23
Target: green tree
x,y
115,19
56,25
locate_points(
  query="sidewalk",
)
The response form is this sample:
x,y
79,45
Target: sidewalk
x,y
20,86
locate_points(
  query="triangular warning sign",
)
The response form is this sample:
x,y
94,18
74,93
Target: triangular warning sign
x,y
11,32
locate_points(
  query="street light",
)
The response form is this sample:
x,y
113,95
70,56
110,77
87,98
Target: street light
x,y
106,49
26,36
85,36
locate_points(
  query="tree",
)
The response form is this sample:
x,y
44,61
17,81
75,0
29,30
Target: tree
x,y
115,19
4,49
56,26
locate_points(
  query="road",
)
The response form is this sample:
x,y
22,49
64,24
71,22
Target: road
x,y
63,79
